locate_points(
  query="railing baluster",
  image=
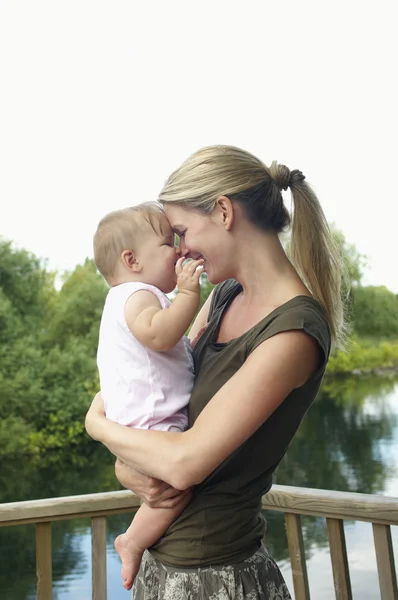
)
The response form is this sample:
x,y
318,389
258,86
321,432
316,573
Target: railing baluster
x,y
297,556
98,564
385,562
43,562
338,554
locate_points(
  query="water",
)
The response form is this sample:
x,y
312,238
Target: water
x,y
348,441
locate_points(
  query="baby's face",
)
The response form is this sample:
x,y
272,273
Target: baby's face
x,y
158,256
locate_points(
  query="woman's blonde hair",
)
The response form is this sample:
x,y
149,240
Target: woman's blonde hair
x,y
123,230
229,171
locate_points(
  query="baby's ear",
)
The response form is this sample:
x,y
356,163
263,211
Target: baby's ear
x,y
129,260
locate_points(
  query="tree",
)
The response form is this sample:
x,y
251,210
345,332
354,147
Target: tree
x,y
354,261
48,371
375,312
25,281
77,310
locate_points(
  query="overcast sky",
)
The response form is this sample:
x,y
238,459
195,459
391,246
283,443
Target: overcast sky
x,y
100,100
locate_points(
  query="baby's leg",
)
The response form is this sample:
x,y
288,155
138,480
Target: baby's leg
x,y
148,525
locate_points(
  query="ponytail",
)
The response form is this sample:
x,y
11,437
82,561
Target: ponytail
x,y
317,257
233,172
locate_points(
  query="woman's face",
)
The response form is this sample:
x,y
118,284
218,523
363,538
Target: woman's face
x,y
201,236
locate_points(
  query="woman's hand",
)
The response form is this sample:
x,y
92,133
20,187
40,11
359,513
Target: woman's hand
x,y
95,417
155,493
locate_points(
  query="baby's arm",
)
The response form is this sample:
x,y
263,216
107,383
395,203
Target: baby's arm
x,y
148,525
159,329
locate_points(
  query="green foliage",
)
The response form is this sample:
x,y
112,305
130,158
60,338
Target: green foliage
x,y
78,307
14,435
364,356
9,319
375,312
25,281
354,261
48,372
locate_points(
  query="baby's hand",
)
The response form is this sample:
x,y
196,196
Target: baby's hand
x,y
188,275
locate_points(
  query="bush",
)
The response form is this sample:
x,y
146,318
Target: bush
x,y
364,356
375,312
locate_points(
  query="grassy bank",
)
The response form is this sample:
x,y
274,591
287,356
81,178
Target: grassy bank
x,y
364,356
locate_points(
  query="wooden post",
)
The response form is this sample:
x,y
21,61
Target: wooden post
x,y
338,554
43,562
297,556
98,565
385,562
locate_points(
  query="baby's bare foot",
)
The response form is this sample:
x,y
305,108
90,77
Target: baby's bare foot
x,y
130,556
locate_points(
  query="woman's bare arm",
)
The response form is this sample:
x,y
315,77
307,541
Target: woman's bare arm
x,y
242,405
155,493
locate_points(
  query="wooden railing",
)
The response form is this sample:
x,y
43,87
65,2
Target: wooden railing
x,y
381,511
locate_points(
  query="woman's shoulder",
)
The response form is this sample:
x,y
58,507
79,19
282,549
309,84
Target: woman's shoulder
x,y
302,313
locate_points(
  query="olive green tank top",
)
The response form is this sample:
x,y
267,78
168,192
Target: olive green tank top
x,y
223,523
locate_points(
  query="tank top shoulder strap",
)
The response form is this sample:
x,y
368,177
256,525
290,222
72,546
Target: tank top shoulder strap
x,y
300,313
222,295
125,290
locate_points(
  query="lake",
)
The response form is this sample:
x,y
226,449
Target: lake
x,y
348,441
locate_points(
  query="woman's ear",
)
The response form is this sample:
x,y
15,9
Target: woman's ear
x,y
225,210
129,260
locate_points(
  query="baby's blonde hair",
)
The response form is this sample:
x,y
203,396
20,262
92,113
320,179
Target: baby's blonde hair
x,y
229,171
121,230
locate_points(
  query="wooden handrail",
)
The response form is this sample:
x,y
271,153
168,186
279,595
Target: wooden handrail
x,y
381,510
68,507
327,503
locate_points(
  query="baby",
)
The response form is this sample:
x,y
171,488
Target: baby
x,y
144,361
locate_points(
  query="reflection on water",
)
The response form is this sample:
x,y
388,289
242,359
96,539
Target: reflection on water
x,y
347,441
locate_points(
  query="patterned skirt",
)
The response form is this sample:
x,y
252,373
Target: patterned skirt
x,y
256,578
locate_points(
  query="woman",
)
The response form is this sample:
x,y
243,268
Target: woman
x,y
259,364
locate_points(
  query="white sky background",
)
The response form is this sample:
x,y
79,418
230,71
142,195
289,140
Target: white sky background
x,y
101,100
